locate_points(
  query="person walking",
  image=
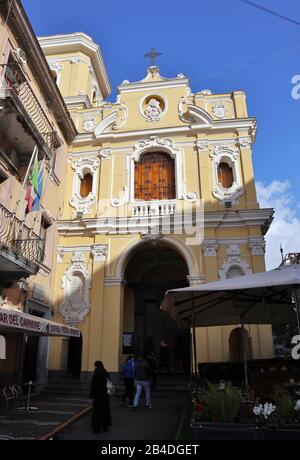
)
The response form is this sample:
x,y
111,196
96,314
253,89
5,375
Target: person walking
x,y
128,377
164,356
101,415
142,373
151,358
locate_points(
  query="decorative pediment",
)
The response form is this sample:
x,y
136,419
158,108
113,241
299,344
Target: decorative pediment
x,y
108,122
154,142
234,261
113,121
189,113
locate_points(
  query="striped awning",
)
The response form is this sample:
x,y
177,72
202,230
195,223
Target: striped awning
x,y
12,320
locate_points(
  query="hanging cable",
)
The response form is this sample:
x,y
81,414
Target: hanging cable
x,y
8,12
267,10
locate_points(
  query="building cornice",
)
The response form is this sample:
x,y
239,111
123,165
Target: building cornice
x,y
261,218
76,42
218,126
20,26
75,101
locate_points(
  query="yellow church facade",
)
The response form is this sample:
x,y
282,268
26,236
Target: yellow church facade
x,y
160,193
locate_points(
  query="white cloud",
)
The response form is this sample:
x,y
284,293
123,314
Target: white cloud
x,y
285,229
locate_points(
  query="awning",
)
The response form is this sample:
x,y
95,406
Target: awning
x,y
262,298
12,320
2,347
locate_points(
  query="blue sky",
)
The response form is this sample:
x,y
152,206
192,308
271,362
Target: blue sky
x,y
211,42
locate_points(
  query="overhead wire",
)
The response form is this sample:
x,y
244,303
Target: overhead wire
x,y
8,11
272,12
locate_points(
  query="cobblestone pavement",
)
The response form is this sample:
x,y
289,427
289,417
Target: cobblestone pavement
x,y
52,411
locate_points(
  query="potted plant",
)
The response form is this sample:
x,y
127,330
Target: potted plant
x,y
280,422
217,416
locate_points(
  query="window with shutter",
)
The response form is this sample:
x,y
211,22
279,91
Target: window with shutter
x,y
155,177
86,185
225,175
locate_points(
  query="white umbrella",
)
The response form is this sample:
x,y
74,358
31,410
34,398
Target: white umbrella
x,y
261,298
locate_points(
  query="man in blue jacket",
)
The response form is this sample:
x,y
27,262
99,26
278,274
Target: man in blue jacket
x,y
128,376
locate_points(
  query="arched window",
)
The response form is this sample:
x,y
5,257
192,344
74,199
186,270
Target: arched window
x,y
155,177
94,97
86,185
225,175
234,272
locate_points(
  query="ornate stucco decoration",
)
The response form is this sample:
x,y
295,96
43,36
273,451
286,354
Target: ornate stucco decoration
x,y
82,166
89,125
75,60
191,197
244,142
60,254
54,65
114,121
219,110
99,252
119,201
234,261
152,234
210,248
153,110
189,113
182,108
76,282
257,246
153,106
230,155
105,154
155,143
202,145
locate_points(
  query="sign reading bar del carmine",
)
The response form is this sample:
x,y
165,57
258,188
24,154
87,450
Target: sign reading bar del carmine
x,y
19,320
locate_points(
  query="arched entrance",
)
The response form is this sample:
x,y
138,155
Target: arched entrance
x,y
153,268
240,345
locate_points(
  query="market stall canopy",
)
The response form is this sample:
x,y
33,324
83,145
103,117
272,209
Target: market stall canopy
x,y
12,320
261,298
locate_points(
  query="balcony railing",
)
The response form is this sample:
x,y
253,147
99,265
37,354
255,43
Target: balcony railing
x,y
19,239
154,208
14,80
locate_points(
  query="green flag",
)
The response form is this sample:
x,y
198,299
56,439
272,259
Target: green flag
x,y
34,176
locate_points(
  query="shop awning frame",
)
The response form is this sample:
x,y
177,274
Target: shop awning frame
x,y
12,320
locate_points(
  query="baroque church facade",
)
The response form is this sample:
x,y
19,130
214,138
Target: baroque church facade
x,y
160,193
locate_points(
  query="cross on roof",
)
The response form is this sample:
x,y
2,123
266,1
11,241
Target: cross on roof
x,y
152,55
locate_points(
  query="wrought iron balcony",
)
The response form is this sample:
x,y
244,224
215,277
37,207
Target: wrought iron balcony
x,y
17,87
19,241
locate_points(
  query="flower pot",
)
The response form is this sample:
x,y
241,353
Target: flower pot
x,y
283,433
224,431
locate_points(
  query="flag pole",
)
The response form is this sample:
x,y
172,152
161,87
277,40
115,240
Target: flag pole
x,y
34,153
35,220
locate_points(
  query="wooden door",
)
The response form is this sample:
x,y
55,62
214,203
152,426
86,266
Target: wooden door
x,y
155,177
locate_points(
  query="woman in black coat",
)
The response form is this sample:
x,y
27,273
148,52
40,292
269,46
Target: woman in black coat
x,y
101,416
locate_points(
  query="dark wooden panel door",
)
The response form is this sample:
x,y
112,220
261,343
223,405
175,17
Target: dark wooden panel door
x,y
155,177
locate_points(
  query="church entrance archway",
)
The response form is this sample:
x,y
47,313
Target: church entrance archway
x,y
152,269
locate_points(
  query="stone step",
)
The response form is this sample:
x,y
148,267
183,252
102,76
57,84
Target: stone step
x,y
73,387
